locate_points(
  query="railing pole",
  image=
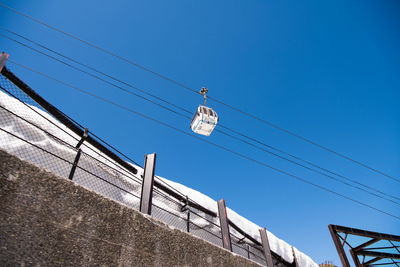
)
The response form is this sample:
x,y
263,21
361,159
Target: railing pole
x,y
188,221
266,247
3,59
147,184
295,261
75,164
223,220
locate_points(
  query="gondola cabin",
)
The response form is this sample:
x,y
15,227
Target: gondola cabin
x,y
204,121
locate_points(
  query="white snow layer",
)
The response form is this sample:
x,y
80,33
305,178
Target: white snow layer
x,y
35,136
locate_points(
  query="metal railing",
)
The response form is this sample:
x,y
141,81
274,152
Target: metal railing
x,y
28,131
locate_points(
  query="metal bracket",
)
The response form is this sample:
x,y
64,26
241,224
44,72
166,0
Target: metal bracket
x,y
84,136
3,59
186,205
241,240
204,92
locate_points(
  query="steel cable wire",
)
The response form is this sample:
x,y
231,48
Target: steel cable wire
x,y
231,136
212,143
194,91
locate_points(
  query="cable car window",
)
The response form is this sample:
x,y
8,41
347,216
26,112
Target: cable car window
x,y
204,110
211,112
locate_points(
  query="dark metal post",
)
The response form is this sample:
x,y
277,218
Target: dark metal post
x,y
188,221
184,208
223,220
147,185
339,247
75,164
295,261
266,248
248,250
3,59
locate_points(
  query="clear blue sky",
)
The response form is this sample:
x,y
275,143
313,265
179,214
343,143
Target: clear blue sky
x,y
326,70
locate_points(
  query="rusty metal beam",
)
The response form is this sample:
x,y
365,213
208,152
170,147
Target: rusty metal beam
x,y
365,233
338,245
366,244
355,258
379,254
372,261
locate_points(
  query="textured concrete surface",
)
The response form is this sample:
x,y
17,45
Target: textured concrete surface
x,y
49,221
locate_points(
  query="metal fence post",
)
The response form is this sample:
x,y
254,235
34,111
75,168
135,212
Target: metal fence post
x,y
266,248
296,263
223,221
147,184
75,164
188,221
3,59
184,208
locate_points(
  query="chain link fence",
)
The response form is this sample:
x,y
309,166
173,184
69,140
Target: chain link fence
x,y
32,134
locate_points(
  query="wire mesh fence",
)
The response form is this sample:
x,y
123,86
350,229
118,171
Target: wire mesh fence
x,y
32,134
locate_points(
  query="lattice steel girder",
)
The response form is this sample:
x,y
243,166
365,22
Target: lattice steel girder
x,y
363,249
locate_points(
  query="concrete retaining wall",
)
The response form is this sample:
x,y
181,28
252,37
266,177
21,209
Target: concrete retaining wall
x,y
50,221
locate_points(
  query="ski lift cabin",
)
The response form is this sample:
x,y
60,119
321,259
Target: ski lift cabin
x,y
204,121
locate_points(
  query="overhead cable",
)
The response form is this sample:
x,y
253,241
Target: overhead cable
x,y
209,142
187,117
195,91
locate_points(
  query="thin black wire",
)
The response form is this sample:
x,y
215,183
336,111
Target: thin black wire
x,y
94,69
192,90
176,215
209,142
201,216
86,72
176,190
234,137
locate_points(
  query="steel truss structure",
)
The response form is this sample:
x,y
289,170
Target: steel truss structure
x,y
367,248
